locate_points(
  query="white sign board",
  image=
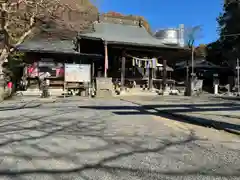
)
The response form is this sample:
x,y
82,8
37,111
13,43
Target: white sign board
x,y
77,72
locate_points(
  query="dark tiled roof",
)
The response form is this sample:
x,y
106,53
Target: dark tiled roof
x,y
46,45
198,63
53,46
124,34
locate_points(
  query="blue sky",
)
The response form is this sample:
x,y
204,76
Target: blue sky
x,y
171,13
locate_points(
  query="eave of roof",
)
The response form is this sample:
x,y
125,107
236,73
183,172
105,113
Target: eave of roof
x,y
45,51
47,45
144,45
66,53
51,46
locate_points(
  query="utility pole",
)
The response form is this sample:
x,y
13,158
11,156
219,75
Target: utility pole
x,y
187,91
192,61
238,73
189,81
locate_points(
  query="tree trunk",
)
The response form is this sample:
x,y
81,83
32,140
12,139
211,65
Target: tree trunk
x,y
2,92
3,57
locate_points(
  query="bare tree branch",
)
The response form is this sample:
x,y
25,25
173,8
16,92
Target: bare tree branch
x,y
21,18
191,34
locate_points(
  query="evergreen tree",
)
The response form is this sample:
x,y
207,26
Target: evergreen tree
x,y
228,45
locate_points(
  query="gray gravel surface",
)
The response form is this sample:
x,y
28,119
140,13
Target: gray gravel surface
x,y
212,111
101,139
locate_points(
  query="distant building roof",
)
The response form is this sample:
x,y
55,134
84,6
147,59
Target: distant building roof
x,y
198,63
125,34
48,46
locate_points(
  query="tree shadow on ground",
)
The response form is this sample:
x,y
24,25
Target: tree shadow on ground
x,y
36,137
23,106
178,112
233,98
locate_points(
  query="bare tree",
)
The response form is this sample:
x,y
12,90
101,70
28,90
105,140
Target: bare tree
x,y
191,34
21,19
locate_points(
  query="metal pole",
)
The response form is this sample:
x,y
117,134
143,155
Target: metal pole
x,y
187,80
192,74
192,61
123,73
238,83
164,75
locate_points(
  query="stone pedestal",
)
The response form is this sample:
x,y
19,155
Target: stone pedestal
x,y
166,92
104,87
215,89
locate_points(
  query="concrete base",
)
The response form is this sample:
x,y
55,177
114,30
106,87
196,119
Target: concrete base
x,y
166,93
37,92
138,92
104,87
104,93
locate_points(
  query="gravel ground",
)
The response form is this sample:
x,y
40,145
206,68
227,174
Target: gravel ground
x,y
215,112
108,140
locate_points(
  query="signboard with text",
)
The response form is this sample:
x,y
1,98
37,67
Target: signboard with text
x,y
77,73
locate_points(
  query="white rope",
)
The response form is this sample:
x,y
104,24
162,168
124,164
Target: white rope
x,y
140,59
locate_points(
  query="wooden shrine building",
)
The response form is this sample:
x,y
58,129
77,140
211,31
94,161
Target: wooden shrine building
x,y
122,53
51,55
131,53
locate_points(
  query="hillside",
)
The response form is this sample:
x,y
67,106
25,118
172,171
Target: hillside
x,y
75,16
59,19
54,18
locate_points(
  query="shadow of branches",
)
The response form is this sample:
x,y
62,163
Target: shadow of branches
x,y
24,106
65,141
178,112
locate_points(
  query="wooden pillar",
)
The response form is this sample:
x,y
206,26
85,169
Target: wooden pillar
x,y
93,80
105,59
150,86
164,74
93,69
187,84
79,45
150,74
123,72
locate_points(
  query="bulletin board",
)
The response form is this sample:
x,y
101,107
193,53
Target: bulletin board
x,y
77,73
